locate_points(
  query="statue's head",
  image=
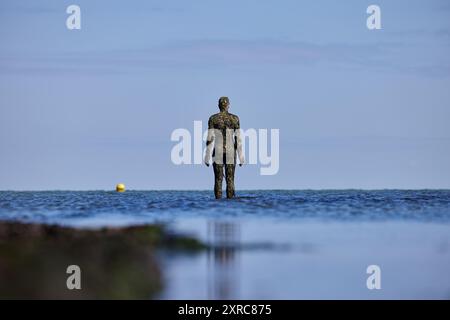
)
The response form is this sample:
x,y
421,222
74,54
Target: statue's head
x,y
224,103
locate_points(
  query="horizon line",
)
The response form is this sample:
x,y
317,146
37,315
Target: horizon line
x,y
241,190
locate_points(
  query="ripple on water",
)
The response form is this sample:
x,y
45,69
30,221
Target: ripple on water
x,y
353,205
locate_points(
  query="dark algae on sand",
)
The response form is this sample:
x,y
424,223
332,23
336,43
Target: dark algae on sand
x,y
115,263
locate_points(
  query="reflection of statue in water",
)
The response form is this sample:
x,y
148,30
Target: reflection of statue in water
x,y
224,237
224,131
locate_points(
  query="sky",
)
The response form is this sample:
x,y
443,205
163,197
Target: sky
x,y
356,108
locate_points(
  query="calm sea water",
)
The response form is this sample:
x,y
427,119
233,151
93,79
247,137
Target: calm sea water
x,y
107,207
276,244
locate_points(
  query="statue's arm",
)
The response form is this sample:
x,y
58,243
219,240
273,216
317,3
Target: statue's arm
x,y
209,141
238,141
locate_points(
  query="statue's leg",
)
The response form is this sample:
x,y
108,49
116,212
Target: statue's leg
x,y
218,178
229,176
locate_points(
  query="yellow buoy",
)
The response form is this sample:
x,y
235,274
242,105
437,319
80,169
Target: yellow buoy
x,y
120,187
